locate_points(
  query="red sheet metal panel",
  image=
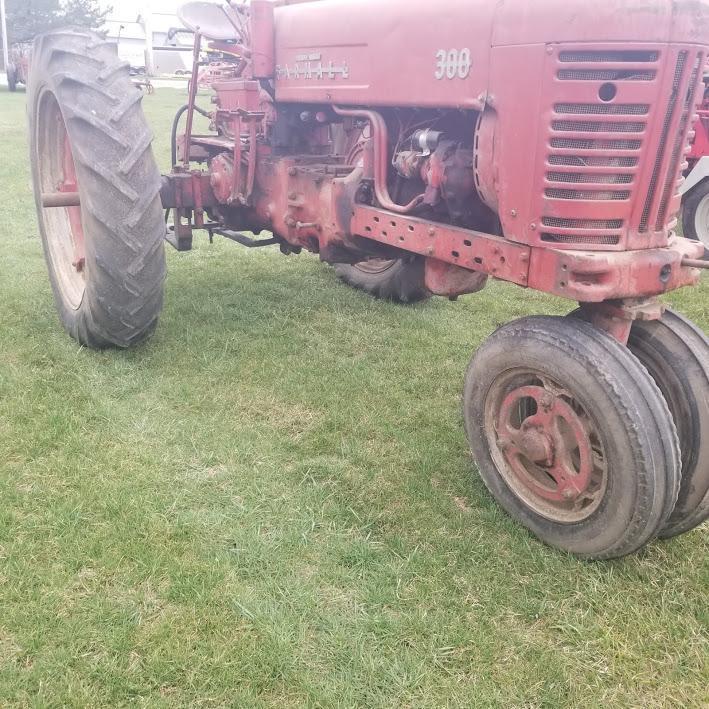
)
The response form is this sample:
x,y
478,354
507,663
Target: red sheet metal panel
x,y
393,53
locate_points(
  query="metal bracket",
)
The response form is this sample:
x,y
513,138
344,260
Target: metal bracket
x,y
179,235
243,239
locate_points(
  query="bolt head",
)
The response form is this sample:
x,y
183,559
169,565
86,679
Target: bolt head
x,y
547,401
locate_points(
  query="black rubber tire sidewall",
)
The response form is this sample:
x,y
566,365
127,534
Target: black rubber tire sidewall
x,y
676,354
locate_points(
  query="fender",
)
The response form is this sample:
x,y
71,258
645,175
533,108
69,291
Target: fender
x,y
699,173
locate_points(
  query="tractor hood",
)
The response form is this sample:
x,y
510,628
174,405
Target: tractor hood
x,y
550,21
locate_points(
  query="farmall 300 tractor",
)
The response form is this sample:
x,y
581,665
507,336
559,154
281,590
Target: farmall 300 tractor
x,y
426,147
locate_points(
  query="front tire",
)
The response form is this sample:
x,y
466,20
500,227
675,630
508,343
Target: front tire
x,y
398,280
88,135
572,436
676,353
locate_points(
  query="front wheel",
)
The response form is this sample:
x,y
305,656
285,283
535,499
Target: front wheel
x,y
399,280
695,214
676,353
88,136
572,436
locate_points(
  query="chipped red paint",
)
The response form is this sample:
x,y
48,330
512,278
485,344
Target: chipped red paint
x,y
70,185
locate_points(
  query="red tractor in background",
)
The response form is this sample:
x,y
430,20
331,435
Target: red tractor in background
x,y
18,69
695,190
424,148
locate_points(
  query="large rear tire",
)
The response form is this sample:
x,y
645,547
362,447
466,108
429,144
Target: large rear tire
x,y
399,280
572,436
88,135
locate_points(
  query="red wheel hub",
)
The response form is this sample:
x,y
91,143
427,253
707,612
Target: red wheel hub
x,y
549,450
69,183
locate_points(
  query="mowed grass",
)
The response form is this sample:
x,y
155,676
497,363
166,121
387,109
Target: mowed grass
x,y
272,504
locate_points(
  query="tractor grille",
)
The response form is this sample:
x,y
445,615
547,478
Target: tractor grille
x,y
590,131
611,143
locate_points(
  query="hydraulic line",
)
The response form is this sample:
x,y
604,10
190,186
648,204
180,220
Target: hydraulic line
x,y
175,125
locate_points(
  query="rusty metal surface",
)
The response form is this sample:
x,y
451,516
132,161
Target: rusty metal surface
x,y
380,149
616,317
61,199
464,248
452,281
549,450
595,277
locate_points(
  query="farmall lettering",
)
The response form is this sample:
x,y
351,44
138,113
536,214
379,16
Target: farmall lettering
x,y
312,66
423,148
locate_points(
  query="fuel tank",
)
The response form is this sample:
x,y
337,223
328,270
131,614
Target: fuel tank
x,y
437,54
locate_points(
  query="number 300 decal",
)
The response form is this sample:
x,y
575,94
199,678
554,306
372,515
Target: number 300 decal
x,y
452,63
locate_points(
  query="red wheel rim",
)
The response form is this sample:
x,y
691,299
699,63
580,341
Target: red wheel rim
x,y
546,446
63,227
70,183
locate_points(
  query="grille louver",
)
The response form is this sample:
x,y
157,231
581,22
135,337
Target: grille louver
x,y
614,56
595,147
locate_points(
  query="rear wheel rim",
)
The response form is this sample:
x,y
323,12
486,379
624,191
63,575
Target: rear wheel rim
x,y
63,229
545,445
701,221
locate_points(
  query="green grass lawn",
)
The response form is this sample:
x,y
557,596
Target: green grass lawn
x,y
272,504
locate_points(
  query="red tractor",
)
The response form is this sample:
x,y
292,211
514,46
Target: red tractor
x,y
426,147
18,68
